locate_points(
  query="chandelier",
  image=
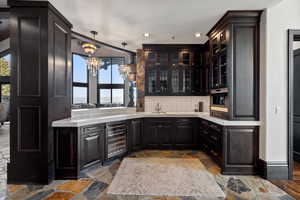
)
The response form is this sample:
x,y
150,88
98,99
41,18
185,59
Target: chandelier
x,y
93,63
127,71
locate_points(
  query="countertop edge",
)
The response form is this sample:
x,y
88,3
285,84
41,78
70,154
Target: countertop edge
x,y
68,123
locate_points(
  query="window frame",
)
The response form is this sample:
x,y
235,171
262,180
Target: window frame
x,y
5,80
80,84
110,86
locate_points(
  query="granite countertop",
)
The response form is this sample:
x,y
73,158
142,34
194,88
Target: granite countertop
x,y
90,119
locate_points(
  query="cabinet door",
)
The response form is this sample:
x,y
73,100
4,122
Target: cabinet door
x,y
176,86
164,135
92,148
187,79
184,134
136,134
215,73
150,140
152,86
163,81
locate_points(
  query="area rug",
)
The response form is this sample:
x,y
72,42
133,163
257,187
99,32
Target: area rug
x,y
165,177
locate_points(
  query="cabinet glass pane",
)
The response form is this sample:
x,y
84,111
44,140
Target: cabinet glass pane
x,y
215,74
223,69
187,80
175,80
152,82
105,97
79,95
163,79
118,97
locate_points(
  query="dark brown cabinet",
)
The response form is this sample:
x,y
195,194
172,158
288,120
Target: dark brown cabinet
x,y
158,134
170,133
92,145
173,70
234,148
135,136
185,134
234,52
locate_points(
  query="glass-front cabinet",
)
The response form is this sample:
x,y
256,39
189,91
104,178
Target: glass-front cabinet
x,y
219,61
173,71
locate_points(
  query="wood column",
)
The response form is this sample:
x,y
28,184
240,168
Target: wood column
x,y
40,40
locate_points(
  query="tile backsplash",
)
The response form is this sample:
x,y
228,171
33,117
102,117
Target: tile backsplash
x,y
176,103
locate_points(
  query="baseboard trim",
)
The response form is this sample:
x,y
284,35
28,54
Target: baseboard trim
x,y
273,170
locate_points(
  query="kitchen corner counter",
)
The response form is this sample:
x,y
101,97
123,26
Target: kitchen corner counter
x,y
84,120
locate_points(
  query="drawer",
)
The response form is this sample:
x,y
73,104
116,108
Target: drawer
x,y
184,121
90,129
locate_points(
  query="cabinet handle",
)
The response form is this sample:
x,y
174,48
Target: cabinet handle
x,y
213,153
214,138
91,128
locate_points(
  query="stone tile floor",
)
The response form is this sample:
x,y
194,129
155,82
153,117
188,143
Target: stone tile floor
x,y
95,181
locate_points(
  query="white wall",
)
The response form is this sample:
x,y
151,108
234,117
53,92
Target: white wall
x,y
176,103
280,18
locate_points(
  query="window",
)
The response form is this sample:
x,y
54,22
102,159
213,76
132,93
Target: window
x,y
110,83
4,77
80,80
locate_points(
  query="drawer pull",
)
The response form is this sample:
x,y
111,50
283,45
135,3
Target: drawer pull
x,y
213,153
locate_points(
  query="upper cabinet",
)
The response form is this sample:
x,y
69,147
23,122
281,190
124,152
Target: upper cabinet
x,y
174,70
234,61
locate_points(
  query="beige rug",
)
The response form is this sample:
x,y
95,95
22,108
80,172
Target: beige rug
x,y
172,177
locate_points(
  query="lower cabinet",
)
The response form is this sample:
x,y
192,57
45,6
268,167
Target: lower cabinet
x,y
185,135
135,136
92,145
234,148
169,133
157,134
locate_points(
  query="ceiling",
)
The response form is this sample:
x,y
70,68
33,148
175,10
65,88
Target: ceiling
x,y
127,20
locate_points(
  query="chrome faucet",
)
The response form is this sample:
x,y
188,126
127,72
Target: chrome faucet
x,y
158,108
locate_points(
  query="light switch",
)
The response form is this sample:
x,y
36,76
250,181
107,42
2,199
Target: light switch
x,y
277,109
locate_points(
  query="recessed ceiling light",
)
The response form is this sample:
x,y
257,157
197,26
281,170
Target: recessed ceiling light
x,y
198,35
146,34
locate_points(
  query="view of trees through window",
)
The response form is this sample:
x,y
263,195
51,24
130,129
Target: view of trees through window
x,y
4,77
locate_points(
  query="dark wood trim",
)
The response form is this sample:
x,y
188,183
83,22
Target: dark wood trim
x,y
231,14
47,4
272,170
173,47
292,35
82,37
